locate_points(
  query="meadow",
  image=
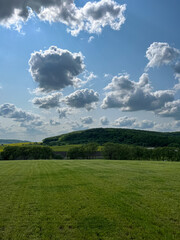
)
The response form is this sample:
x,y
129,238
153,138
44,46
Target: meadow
x,y
89,200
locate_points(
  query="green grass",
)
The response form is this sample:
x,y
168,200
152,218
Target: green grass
x,y
89,200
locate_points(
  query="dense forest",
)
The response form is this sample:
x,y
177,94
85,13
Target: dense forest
x,y
117,135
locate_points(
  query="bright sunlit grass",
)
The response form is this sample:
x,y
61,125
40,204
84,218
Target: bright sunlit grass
x,y
89,200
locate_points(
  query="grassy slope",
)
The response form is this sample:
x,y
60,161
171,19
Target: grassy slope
x,y
53,200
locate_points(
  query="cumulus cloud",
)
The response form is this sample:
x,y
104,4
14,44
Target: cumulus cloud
x,y
160,53
171,109
35,127
17,11
92,17
63,112
104,121
177,70
8,110
84,98
32,124
128,95
134,123
75,125
54,122
87,120
145,124
55,68
49,101
124,122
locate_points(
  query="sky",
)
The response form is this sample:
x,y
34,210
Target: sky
x,y
73,65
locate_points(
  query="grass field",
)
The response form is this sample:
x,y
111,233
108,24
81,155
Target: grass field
x,y
89,200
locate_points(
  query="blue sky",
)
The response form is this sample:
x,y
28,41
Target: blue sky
x,y
118,65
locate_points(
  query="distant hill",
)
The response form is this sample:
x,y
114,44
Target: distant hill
x,y
10,141
117,135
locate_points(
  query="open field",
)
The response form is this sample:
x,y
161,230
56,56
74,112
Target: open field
x,y
89,200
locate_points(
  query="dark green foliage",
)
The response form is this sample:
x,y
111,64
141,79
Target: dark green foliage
x,y
126,152
57,156
86,151
117,135
33,152
76,153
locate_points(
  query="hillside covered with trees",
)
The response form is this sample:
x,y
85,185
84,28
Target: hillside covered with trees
x,y
117,135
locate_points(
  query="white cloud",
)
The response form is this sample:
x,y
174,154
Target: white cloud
x,y
92,17
160,53
144,124
131,122
87,120
8,110
32,123
90,39
171,109
63,112
128,95
104,121
125,122
84,98
49,101
107,75
89,76
55,68
177,70
54,122
75,126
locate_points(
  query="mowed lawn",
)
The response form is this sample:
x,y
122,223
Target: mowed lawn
x,y
89,199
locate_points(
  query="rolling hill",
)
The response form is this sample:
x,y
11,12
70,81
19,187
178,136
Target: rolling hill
x,y
117,135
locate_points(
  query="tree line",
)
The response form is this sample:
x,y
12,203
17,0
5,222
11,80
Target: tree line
x,y
111,151
127,152
26,153
114,151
